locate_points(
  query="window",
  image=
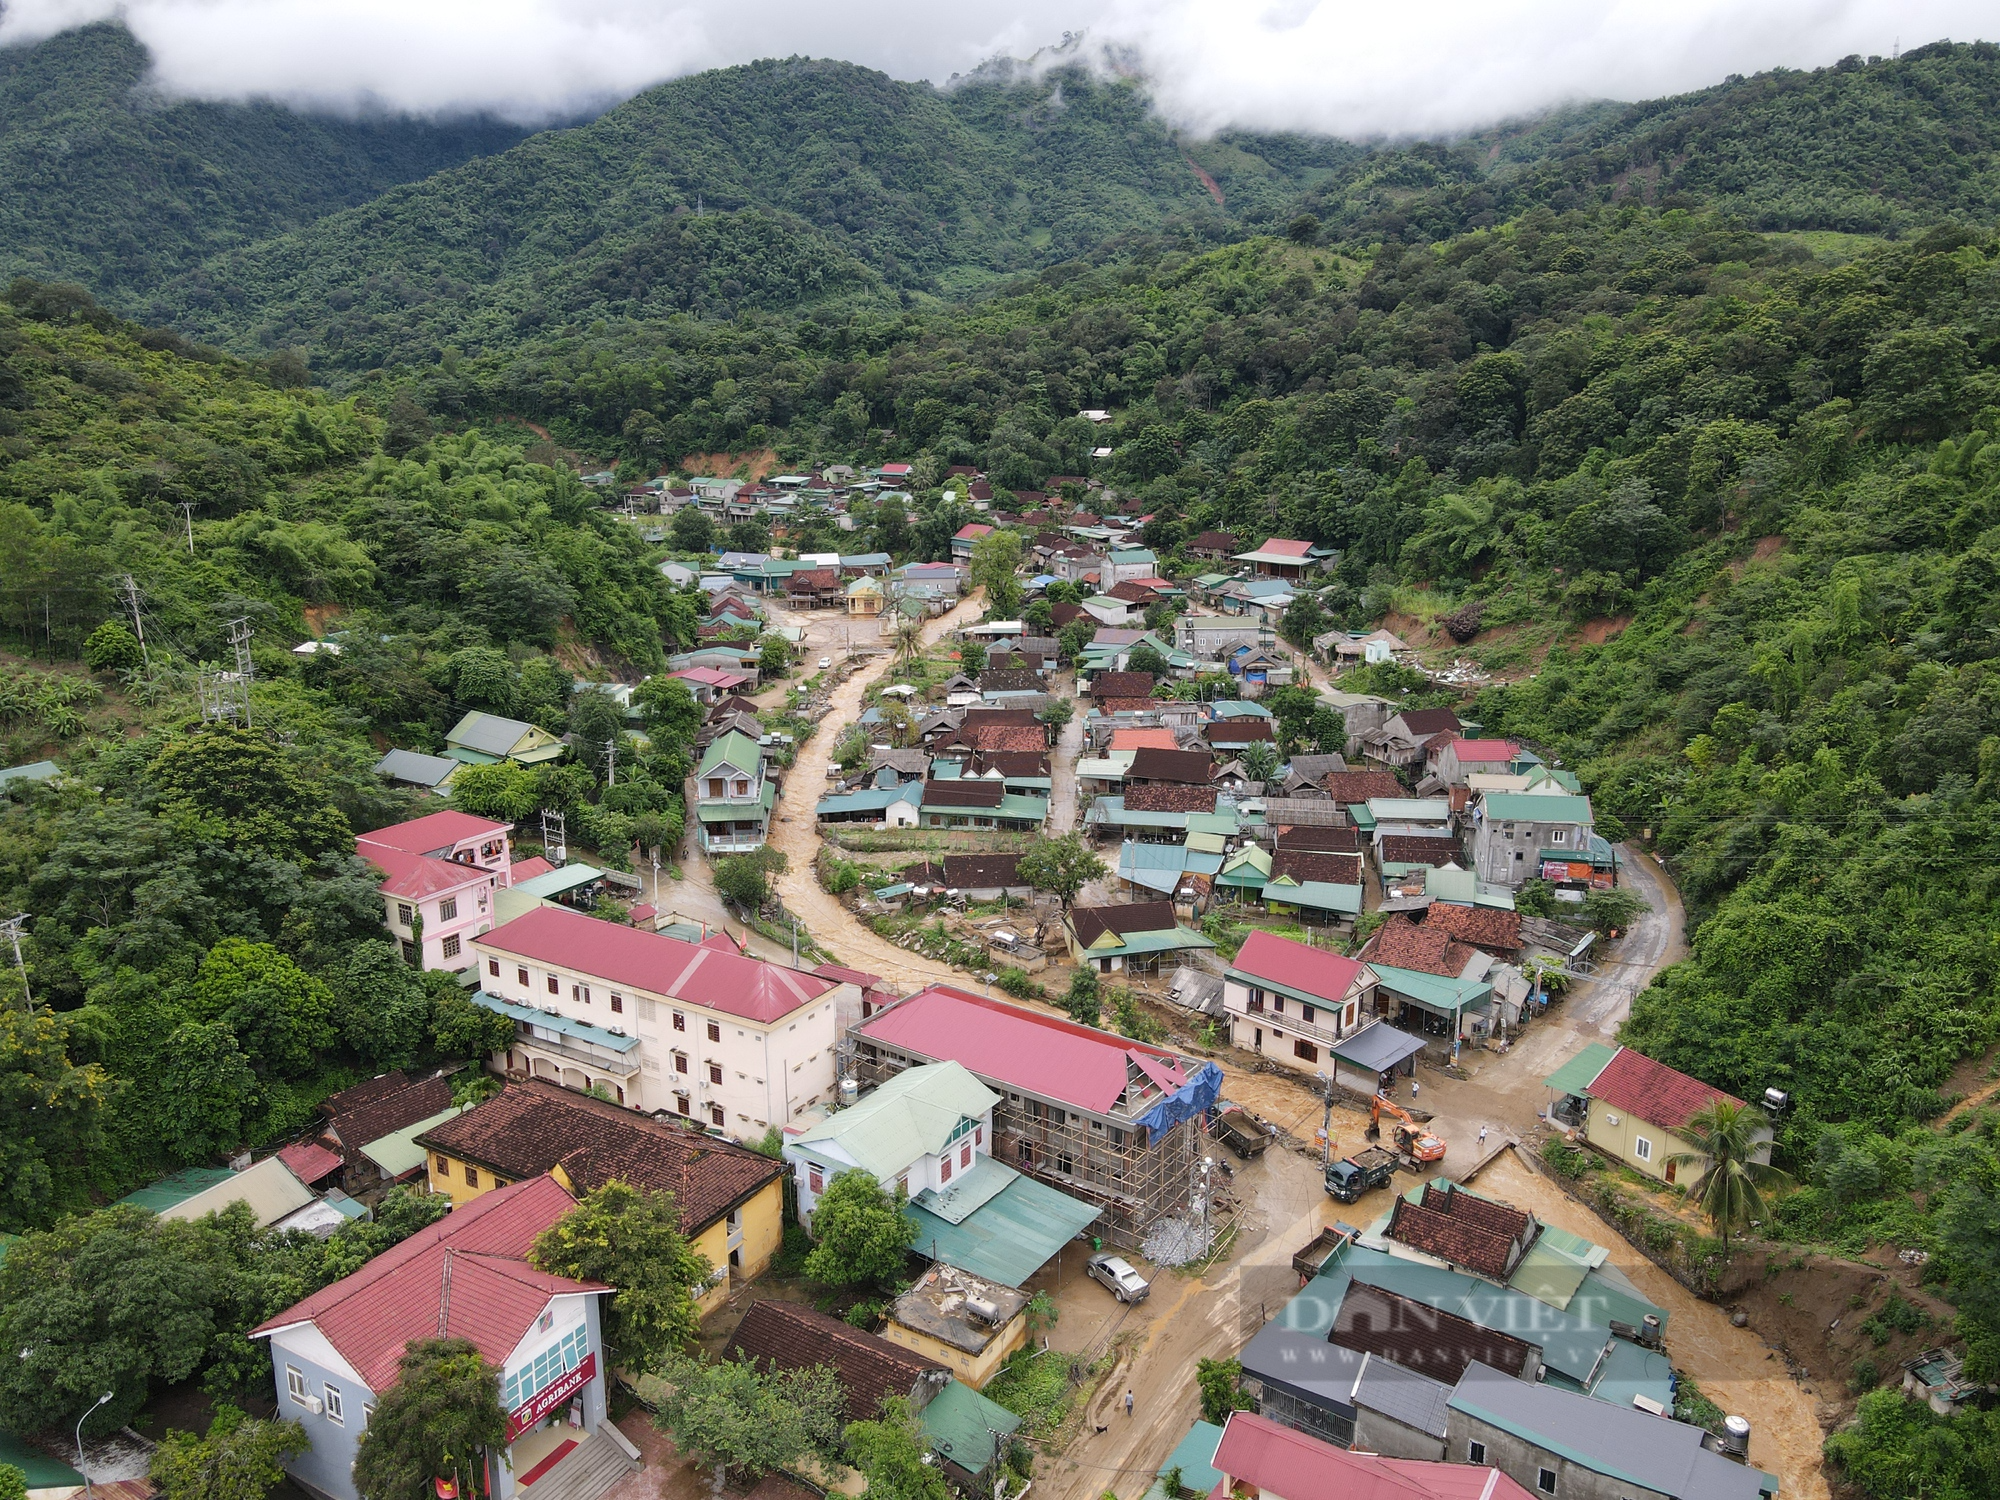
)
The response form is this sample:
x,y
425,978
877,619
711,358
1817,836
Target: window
x,y
580,993
965,1156
295,1383
334,1411
680,1022
1558,835
1475,1453
683,1104
404,915
979,1135
521,978
441,1165
742,787
944,1169
715,1072
617,1001
815,1181
648,1011
448,909
472,1176
555,985
449,947
1545,1481
714,1031
715,1114
1278,1004
1642,1148
493,968
1305,1052
1309,1013
715,784
367,1412
680,1062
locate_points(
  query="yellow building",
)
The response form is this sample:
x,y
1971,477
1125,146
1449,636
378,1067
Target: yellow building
x,y
963,1322
864,597
731,1198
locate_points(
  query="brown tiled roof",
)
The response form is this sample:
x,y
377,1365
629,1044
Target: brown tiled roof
x,y
1351,787
789,1336
1127,705
1417,1336
1425,722
1416,849
962,793
381,1086
977,871
1122,685
1213,541
1332,840
1132,593
1401,944
1490,927
388,1113
1016,737
811,580
1016,661
1011,680
1191,767
529,1128
1065,614
1092,922
976,716
1238,731
927,873
1170,797
1012,762
1443,1226
1315,864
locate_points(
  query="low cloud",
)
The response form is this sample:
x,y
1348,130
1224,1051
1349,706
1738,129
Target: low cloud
x,y
1335,66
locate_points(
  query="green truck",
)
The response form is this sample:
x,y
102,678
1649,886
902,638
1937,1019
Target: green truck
x,y
1347,1180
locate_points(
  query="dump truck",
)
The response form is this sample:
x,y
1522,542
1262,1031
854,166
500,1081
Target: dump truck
x,y
1347,1180
1242,1132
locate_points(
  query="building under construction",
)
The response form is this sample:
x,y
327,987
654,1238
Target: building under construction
x,y
1113,1122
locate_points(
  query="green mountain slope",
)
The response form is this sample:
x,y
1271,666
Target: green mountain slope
x,y
108,184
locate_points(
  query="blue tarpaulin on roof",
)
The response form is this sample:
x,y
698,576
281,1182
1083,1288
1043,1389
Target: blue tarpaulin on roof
x,y
1195,1097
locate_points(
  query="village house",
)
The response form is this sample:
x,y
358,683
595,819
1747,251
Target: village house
x,y
482,739
1212,546
1293,1003
699,1031
1264,1458
1134,937
440,876
963,540
979,804
711,684
736,795
730,1198
467,1276
1523,836
1456,761
1106,1120
1405,739
964,1322
1634,1110
864,597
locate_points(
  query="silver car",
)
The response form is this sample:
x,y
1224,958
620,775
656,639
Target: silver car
x,y
1118,1277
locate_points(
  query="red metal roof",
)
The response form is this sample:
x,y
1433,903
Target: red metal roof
x,y
1485,750
528,869
438,830
1054,1058
1136,739
712,977
400,1295
1278,1460
971,532
1279,546
417,876
1656,1093
309,1161
710,676
1314,971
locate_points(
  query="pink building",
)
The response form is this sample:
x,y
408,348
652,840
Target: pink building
x,y
441,871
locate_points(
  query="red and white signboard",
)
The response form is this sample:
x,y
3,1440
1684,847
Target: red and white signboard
x,y
549,1397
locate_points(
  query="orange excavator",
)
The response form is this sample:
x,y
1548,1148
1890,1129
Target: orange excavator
x,y
1411,1138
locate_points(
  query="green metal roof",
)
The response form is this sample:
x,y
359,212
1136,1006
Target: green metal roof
x,y
1009,1237
398,1152
1535,807
961,1424
40,770
1134,944
1577,1075
583,1031
912,1115
1319,895
44,1473
181,1186
1194,1456
1433,990
562,878
736,749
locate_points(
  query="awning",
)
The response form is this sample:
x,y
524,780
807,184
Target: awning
x,y
1010,1236
1376,1048
1577,1075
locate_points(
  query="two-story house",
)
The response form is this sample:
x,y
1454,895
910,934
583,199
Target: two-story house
x,y
467,1276
440,873
1515,833
912,1135
734,797
696,1030
1294,1003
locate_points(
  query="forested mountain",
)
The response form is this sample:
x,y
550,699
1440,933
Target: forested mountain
x,y
109,184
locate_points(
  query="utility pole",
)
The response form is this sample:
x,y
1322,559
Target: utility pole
x,y
554,848
12,927
138,625
187,512
611,761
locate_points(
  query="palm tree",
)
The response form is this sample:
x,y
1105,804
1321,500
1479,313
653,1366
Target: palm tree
x,y
909,638
1730,1190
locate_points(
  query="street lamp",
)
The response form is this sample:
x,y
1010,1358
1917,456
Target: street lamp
x,y
81,1469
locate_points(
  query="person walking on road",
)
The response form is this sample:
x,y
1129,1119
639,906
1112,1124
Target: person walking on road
x,y
1413,1089
1482,1138
1128,1403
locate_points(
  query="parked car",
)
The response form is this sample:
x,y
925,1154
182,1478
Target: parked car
x,y
1124,1283
825,662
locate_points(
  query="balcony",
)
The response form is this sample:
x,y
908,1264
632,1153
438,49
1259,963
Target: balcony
x,y
1292,1025
582,1056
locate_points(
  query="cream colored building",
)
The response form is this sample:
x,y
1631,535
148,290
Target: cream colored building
x,y
661,1025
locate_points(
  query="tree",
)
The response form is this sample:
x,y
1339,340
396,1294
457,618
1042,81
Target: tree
x,y
13,1483
1220,1382
861,1234
774,657
1260,761
380,1005
51,1117
1304,230
505,791
909,638
1146,657
239,1459
206,1091
749,536
1062,866
596,721
1305,617
408,427
461,1029
996,559
1730,1188
971,658
746,878
281,1016
891,1453
1085,1000
732,1416
668,708
112,648
438,1419
692,530
483,678
1058,712
231,786
631,1239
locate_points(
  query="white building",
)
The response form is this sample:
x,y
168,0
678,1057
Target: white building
x,y
667,1027
919,1130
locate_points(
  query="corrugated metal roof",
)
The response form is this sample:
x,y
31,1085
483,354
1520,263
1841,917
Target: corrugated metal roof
x,y
398,1152
177,1188
583,1031
961,1424
1535,807
268,1187
1574,1076
1009,1237
910,1116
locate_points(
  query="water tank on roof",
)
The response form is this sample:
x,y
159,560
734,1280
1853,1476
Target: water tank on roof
x,y
850,1092
1736,1438
980,1308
